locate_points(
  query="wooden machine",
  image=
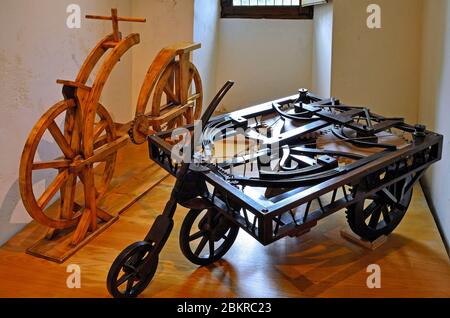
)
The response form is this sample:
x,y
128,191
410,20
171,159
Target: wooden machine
x,y
87,138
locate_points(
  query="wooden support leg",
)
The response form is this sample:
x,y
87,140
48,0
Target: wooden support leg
x,y
82,227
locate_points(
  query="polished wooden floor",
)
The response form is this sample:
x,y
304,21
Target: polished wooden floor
x,y
320,264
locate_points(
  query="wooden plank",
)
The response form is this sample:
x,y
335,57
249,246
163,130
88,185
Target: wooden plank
x,y
60,247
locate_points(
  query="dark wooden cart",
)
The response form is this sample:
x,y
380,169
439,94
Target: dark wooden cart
x,y
312,157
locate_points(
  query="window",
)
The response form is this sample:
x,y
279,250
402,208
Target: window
x,y
266,9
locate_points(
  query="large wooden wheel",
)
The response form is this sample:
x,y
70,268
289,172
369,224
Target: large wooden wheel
x,y
168,95
67,166
171,95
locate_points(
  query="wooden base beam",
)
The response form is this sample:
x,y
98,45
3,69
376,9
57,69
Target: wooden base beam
x,y
60,247
351,237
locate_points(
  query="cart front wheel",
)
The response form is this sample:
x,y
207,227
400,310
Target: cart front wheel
x,y
132,270
206,236
380,213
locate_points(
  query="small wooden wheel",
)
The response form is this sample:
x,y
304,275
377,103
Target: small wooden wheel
x,y
381,213
206,228
132,270
169,95
65,165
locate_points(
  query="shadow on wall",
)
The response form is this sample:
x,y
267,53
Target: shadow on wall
x,y
13,216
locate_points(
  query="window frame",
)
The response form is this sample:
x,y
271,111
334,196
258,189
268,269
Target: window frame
x,y
265,12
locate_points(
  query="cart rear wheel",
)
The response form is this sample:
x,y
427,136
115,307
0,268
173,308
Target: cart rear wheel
x,y
381,213
206,236
132,270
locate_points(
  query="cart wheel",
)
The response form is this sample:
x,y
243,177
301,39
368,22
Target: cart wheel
x,y
381,213
60,171
132,270
212,229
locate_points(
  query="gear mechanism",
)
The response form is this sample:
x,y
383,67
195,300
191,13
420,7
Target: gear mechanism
x,y
139,129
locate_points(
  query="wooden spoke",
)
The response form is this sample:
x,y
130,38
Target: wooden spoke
x,y
371,209
375,218
196,236
54,164
191,77
211,247
201,246
125,277
170,95
389,196
130,284
99,128
386,216
53,188
61,140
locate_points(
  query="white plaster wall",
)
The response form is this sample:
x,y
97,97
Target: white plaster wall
x,y
168,22
266,58
434,108
207,32
322,50
379,68
36,49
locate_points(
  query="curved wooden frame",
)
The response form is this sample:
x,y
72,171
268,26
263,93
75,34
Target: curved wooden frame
x,y
156,70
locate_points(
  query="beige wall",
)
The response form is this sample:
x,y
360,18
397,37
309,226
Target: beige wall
x,y
434,108
168,22
378,68
266,58
207,32
322,50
